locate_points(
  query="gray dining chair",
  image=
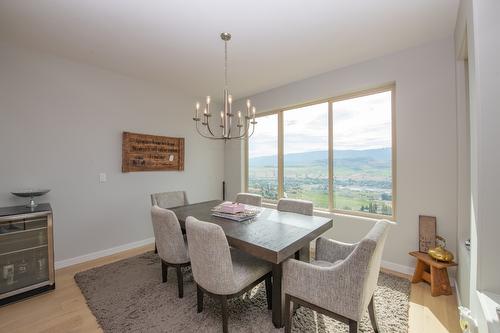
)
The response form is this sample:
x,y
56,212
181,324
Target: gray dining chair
x,y
169,200
303,207
171,245
220,271
249,199
297,206
341,282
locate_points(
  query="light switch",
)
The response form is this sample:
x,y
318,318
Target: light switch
x,y
102,177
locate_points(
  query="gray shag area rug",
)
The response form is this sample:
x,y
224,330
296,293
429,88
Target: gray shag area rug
x,y
128,296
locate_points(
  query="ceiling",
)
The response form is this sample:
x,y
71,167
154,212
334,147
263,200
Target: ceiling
x,y
176,42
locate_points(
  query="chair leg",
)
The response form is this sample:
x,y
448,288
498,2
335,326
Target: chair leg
x,y
180,284
156,249
373,318
199,296
223,303
164,271
269,292
353,326
288,314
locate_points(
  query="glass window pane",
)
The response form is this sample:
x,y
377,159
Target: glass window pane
x,y
263,158
306,154
362,141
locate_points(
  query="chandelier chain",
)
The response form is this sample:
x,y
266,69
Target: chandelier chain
x,y
225,64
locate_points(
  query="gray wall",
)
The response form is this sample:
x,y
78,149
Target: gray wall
x,y
61,125
426,140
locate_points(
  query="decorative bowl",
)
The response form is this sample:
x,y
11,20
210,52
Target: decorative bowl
x,y
31,194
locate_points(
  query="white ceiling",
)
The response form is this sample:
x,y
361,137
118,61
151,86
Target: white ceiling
x,y
176,42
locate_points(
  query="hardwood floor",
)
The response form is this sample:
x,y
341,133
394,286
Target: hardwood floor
x,y
65,310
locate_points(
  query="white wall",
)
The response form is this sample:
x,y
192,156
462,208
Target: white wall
x,y
61,125
478,19
426,139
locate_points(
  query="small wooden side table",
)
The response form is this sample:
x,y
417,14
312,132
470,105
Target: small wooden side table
x,y
433,272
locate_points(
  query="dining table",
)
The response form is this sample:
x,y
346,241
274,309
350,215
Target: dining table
x,y
273,236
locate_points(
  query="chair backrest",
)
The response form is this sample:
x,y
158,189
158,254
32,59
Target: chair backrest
x,y
377,234
169,199
210,257
296,206
168,236
249,199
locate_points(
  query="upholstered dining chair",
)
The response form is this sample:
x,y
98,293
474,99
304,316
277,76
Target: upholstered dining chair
x,y
249,199
169,200
220,271
342,280
303,207
172,247
297,206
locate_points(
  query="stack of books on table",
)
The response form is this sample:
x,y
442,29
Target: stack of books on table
x,y
234,211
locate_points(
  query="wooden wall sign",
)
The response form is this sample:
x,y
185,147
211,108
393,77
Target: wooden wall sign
x,y
143,152
427,233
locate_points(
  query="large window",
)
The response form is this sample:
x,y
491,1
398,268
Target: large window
x,y
362,154
336,153
305,152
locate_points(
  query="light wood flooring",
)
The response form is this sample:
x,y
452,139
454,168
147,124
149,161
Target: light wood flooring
x,y
65,310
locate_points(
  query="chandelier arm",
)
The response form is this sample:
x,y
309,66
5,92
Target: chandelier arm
x,y
209,129
253,129
203,135
245,132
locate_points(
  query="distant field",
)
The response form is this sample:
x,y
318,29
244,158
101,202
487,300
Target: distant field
x,y
362,179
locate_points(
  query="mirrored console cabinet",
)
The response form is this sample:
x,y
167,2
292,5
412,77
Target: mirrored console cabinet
x,y
26,252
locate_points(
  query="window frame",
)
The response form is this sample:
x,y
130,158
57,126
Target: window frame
x,y
280,128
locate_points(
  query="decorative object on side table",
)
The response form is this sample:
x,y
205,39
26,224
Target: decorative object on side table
x,y
433,272
427,233
440,252
30,194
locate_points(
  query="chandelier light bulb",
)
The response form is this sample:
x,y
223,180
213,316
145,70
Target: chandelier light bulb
x,y
230,99
208,100
197,106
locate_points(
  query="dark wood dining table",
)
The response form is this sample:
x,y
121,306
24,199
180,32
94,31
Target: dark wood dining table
x,y
273,236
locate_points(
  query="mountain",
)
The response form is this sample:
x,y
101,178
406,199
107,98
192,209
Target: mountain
x,y
380,156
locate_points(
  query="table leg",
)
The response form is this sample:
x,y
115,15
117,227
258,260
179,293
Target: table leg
x,y
305,253
278,295
419,271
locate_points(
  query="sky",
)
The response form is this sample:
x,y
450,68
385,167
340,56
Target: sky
x,y
358,123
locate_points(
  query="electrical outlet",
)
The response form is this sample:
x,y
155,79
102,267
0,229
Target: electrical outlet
x,y
102,177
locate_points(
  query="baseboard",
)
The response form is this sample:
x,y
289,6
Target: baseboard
x,y
397,267
102,253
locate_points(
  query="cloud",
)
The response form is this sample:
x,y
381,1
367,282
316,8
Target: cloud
x,y
359,123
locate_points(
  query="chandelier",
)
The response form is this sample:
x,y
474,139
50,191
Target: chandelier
x,y
230,128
